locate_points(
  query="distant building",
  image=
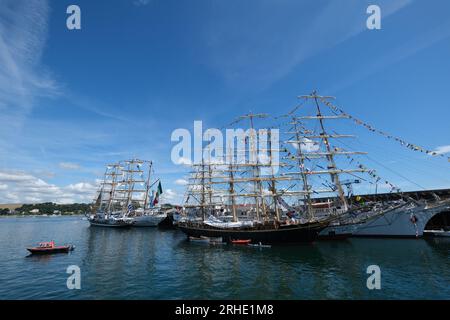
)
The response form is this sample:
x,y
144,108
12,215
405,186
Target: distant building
x,y
34,211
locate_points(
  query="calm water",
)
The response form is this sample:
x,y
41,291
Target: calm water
x,y
152,264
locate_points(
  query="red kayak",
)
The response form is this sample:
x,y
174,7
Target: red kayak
x,y
240,241
49,247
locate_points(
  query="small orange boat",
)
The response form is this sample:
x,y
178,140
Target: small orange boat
x,y
50,247
239,241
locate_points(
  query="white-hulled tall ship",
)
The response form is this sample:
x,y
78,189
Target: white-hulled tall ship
x,y
397,215
125,197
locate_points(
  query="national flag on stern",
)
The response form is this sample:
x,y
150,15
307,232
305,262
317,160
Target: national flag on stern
x,y
152,197
159,191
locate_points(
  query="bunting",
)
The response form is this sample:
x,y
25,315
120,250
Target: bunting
x,y
370,172
373,174
369,127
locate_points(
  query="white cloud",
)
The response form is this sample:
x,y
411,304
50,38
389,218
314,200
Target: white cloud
x,y
81,188
23,78
181,182
168,195
23,34
184,161
3,187
307,145
69,165
26,188
15,177
442,149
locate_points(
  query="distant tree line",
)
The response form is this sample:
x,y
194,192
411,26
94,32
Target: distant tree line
x,y
51,208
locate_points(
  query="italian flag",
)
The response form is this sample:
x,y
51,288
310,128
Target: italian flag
x,y
158,193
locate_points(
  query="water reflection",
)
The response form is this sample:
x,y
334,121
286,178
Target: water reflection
x,y
149,263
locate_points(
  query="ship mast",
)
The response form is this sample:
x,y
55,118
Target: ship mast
x,y
126,194
130,184
301,164
122,190
202,201
253,156
273,187
99,201
147,189
114,174
209,177
245,180
330,155
232,193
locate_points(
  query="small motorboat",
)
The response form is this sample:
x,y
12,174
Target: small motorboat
x,y
240,241
50,247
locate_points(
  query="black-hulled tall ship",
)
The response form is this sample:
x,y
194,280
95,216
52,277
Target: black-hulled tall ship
x,y
246,199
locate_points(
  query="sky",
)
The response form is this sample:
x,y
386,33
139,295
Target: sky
x,y
72,101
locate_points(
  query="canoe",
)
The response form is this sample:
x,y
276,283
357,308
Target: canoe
x,y
259,245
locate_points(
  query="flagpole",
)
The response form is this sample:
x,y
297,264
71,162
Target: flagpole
x,y
148,184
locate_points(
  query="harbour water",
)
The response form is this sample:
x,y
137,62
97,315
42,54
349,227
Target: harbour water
x,y
148,263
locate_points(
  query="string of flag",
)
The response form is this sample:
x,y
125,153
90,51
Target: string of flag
x,y
373,174
370,172
402,142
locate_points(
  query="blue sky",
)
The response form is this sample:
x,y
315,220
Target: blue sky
x,y
72,101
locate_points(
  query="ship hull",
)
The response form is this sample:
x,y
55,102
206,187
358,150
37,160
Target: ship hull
x,y
148,220
109,223
399,223
63,249
167,222
286,234
338,232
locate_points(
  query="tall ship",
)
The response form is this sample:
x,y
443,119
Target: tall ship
x,y
299,190
262,199
395,214
126,196
236,198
